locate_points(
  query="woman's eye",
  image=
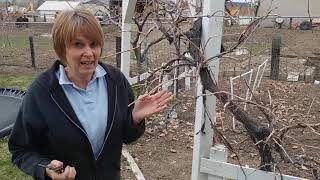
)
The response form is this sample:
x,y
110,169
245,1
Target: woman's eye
x,y
93,45
78,45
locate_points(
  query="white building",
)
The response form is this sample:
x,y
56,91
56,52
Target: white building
x,y
289,8
51,8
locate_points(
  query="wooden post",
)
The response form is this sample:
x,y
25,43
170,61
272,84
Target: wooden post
x,y
275,58
118,50
32,49
211,39
176,82
187,80
290,23
176,75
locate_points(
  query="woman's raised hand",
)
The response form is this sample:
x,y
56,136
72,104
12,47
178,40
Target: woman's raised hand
x,y
147,105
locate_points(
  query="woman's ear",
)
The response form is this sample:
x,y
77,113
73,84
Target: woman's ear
x,y
101,52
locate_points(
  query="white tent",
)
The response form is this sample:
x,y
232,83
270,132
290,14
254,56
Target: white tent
x,y
51,8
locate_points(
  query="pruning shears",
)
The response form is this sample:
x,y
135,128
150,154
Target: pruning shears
x,y
57,170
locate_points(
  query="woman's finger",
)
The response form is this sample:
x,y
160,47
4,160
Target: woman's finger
x,y
165,100
56,164
70,172
164,97
144,97
161,108
51,172
159,94
74,172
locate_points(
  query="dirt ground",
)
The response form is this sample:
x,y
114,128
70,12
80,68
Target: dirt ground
x,y
165,150
166,153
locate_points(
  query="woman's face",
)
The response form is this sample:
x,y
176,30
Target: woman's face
x,y
82,57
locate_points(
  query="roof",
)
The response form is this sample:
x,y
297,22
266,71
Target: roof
x,y
96,2
92,2
237,4
240,9
58,5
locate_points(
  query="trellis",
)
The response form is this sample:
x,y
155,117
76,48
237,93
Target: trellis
x,y
209,163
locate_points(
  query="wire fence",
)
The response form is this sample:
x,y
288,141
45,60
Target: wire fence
x,y
15,46
298,51
299,48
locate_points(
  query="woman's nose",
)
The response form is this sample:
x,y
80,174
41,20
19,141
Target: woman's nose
x,y
88,51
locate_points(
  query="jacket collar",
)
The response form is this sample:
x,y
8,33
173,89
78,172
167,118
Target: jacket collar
x,y
52,82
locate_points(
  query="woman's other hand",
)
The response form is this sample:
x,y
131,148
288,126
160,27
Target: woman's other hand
x,y
69,173
147,105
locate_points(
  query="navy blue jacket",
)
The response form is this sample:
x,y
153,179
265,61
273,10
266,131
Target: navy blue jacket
x,y
47,128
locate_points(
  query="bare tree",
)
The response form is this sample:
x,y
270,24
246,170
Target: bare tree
x,y
267,138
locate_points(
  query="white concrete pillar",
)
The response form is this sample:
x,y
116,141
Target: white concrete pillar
x,y
211,29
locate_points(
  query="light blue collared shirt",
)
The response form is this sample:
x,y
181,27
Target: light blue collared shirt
x,y
90,105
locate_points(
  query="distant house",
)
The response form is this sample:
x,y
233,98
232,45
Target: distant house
x,y
282,8
244,11
240,9
51,8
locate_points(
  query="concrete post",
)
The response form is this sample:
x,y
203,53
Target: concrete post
x,y
212,31
128,7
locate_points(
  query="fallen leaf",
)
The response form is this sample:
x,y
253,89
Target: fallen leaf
x,y
189,124
174,126
304,168
150,131
173,150
189,146
173,162
253,154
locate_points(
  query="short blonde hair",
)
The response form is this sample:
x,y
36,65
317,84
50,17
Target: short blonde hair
x,y
68,24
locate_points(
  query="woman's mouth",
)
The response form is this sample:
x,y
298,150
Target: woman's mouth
x,y
87,62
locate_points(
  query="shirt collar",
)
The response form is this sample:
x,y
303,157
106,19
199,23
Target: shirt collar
x,y
63,78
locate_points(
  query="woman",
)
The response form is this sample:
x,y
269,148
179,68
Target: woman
x,y
75,116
